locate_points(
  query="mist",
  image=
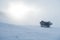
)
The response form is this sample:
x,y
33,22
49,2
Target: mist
x,y
47,10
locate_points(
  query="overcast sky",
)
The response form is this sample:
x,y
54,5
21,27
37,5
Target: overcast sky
x,y
32,11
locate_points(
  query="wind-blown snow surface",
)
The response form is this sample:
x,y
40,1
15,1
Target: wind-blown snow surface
x,y
14,32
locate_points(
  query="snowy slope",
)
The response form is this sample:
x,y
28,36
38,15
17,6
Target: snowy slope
x,y
14,32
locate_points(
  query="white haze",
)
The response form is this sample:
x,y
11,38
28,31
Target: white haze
x,y
32,11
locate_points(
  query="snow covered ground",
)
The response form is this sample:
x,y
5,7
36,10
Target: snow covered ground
x,y
14,32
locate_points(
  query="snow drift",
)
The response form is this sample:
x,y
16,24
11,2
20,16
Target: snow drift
x,y
14,32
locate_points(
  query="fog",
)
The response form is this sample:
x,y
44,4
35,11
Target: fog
x,y
32,11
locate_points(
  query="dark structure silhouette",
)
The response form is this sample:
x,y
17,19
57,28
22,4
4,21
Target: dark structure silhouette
x,y
45,24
